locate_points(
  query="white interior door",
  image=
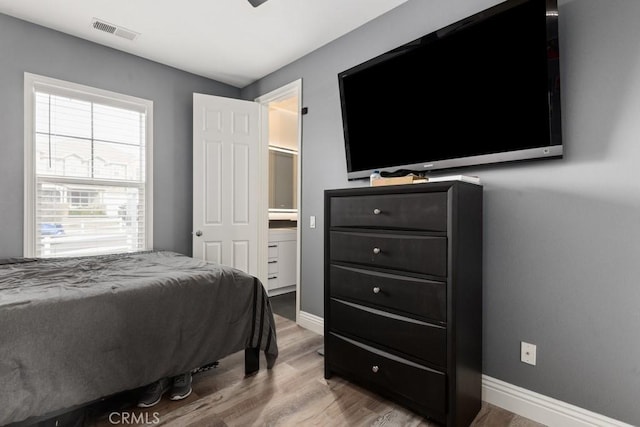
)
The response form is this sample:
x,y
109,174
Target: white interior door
x,y
230,218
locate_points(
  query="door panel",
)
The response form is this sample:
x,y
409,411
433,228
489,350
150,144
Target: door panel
x,y
213,182
241,185
211,252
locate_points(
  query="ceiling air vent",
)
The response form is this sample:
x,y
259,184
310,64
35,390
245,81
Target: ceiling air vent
x,y
101,25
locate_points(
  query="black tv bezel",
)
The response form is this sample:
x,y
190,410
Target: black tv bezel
x,y
554,149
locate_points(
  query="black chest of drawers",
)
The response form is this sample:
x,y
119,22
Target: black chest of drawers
x,y
403,295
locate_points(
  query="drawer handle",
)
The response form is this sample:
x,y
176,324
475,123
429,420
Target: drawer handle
x,y
271,262
376,290
377,211
375,369
272,277
273,246
376,250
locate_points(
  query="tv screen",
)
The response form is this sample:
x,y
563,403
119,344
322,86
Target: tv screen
x,y
482,90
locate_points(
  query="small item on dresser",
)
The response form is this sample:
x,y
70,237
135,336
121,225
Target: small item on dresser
x,y
399,180
374,177
465,178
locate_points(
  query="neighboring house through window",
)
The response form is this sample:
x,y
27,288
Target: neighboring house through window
x,y
88,175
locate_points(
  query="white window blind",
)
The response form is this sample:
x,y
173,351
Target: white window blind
x,y
90,190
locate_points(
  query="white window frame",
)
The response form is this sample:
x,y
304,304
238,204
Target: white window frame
x,y
33,81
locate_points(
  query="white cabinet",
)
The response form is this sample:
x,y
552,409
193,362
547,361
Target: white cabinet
x,y
282,261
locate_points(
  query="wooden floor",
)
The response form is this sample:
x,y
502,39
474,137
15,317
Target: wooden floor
x,y
293,393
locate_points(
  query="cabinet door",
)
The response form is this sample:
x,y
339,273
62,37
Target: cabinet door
x,y
287,263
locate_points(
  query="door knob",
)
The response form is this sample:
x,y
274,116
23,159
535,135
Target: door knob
x,y
198,233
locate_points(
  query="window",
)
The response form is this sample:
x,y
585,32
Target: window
x,y
87,170
80,199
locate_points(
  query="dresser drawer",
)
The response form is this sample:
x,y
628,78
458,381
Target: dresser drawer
x,y
414,338
419,297
419,254
419,211
389,374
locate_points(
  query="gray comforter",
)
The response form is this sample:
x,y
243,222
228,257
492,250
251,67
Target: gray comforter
x,y
74,330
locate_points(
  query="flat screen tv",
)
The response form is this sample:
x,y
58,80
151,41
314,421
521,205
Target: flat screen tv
x,y
483,90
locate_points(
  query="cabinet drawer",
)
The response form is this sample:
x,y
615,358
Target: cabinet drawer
x,y
420,211
411,337
424,298
419,254
389,374
272,281
272,266
272,250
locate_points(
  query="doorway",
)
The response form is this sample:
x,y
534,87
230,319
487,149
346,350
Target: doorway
x,y
285,150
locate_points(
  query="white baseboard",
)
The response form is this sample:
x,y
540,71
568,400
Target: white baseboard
x,y
529,404
311,322
537,407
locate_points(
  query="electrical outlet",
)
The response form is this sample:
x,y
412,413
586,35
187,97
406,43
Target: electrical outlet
x,y
528,353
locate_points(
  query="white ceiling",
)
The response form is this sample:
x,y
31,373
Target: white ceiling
x,y
226,40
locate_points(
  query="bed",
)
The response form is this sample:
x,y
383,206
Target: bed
x,y
74,330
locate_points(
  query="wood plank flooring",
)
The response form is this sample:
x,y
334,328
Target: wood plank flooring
x,y
293,393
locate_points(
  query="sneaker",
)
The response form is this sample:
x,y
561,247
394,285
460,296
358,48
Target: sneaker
x,y
153,393
181,387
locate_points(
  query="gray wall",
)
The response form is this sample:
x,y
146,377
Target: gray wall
x,y
34,49
562,237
